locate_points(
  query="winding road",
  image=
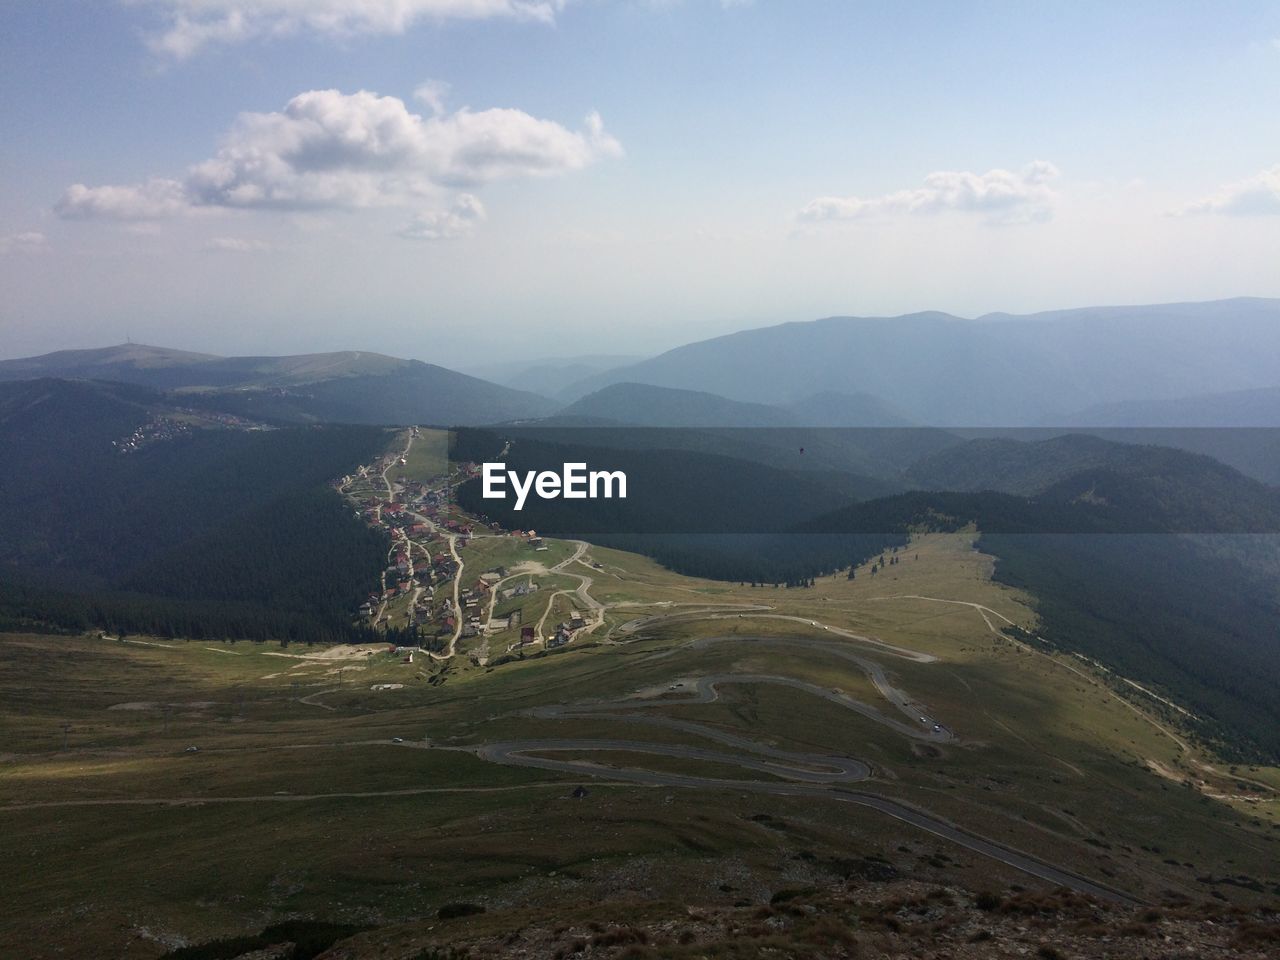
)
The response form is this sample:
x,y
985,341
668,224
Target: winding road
x,y
793,774
785,772
581,592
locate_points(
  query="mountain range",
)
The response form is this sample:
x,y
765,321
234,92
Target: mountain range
x,y
346,387
550,376
1166,592
998,370
1207,364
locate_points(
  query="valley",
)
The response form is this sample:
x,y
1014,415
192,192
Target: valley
x,y
639,480
709,733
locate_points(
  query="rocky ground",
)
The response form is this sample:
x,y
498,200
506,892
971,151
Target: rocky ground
x,y
896,919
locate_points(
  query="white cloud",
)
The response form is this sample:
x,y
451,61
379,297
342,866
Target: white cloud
x,y
472,148
1259,194
328,149
187,26
1003,196
458,221
432,94
28,242
235,245
144,201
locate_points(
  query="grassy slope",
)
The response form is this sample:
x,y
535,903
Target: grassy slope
x,y
1049,760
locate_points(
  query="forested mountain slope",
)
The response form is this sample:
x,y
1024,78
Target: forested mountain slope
x,y
344,387
220,531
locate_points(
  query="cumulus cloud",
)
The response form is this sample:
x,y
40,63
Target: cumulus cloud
x,y
144,201
28,242
1259,194
1001,196
187,26
327,149
458,221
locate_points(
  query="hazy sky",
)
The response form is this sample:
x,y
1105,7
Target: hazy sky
x,y
467,181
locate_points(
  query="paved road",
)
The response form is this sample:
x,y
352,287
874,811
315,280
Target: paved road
x,y
706,689
802,774
584,586
715,613
821,776
196,801
517,753
822,770
452,649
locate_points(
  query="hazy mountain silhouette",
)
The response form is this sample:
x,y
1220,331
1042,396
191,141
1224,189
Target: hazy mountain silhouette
x,y
345,387
1237,408
999,370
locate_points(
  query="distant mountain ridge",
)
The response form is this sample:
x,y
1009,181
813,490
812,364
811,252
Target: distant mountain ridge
x,y
1027,468
1259,407
1166,488
647,405
834,408
549,376
343,387
164,368
1186,364
643,404
998,370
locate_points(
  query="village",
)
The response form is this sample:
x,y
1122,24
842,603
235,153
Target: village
x,y
179,422
452,583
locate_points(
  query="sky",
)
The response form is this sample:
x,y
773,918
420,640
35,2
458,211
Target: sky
x,y
471,182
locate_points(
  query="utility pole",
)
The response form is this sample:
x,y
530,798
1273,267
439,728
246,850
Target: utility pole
x,y
66,728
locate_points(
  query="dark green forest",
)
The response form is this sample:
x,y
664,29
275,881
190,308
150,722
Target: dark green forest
x,y
767,559
219,533
1121,581
700,514
668,491
1161,610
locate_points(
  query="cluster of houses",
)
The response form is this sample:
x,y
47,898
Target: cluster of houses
x,y
413,516
566,629
228,420
531,537
522,589
408,517
474,600
161,428
155,430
